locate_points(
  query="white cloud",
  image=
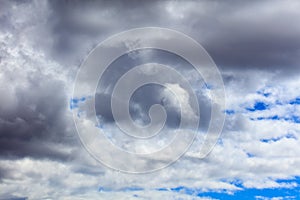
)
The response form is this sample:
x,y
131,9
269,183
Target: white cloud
x,y
240,156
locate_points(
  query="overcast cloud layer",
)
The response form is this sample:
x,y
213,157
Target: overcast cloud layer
x,y
256,46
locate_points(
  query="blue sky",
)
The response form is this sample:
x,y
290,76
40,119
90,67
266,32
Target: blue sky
x,y
244,193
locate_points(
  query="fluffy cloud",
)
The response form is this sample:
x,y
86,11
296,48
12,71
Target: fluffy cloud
x,y
255,44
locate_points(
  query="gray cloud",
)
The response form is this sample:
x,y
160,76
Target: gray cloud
x,y
149,95
260,35
238,35
42,44
37,122
33,108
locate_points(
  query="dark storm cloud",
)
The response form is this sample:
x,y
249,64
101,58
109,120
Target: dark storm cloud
x,y
238,35
9,197
258,35
37,124
77,26
34,118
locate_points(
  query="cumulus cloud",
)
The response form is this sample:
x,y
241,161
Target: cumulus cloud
x,y
255,45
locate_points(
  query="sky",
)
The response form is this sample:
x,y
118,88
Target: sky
x,y
256,47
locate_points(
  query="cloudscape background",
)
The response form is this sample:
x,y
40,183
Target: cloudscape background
x,y
256,46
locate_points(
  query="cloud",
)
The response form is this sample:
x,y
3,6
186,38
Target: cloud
x,y
262,35
33,117
255,44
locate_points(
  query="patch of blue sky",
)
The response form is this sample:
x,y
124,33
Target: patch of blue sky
x,y
275,117
185,190
81,113
245,193
188,191
234,181
220,142
125,189
101,126
278,102
258,106
73,105
74,102
261,106
208,86
264,93
229,112
295,101
250,194
293,118
290,135
270,140
100,122
250,155
162,189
